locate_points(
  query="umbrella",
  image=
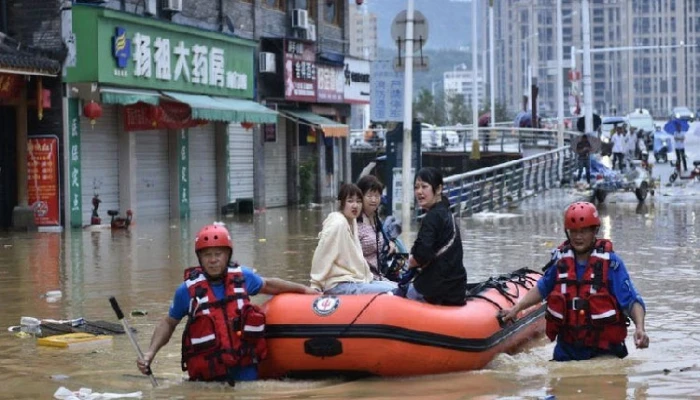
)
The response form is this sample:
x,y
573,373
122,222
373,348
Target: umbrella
x,y
581,123
672,126
593,140
484,119
521,116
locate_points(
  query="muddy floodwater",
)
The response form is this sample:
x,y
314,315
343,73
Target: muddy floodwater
x,y
659,242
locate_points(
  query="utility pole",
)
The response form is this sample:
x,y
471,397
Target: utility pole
x,y
406,184
492,62
560,80
587,92
476,154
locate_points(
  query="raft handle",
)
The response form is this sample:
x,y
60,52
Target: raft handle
x,y
323,347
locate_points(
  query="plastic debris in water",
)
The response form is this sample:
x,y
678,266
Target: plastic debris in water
x,y
138,313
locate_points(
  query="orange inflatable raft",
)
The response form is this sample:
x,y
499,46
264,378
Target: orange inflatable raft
x,y
387,335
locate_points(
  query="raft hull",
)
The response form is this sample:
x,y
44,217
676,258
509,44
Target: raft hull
x,y
386,335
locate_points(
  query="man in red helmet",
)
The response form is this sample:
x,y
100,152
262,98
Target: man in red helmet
x,y
223,339
589,293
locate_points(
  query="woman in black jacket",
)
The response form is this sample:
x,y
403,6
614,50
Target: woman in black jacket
x,y
437,251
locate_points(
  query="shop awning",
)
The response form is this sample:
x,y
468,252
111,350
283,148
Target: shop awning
x,y
126,97
249,111
329,127
224,109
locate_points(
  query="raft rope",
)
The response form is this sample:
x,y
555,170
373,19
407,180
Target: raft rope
x,y
360,313
519,278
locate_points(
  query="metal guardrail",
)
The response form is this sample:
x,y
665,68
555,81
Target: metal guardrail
x,y
492,188
504,139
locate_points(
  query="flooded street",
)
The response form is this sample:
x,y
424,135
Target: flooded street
x,y
659,242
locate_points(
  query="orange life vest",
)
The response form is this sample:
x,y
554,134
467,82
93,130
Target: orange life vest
x,y
584,312
224,333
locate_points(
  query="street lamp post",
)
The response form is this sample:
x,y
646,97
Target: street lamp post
x,y
492,62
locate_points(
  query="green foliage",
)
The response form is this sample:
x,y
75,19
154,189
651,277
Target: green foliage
x,y
431,109
306,181
458,112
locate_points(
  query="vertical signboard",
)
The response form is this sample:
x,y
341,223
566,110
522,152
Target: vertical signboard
x,y
183,167
42,177
299,71
330,84
386,103
75,191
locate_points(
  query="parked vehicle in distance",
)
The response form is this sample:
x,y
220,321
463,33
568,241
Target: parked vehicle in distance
x,y
433,137
606,127
682,113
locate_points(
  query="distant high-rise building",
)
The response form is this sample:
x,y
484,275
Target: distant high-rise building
x,y
656,78
363,33
461,81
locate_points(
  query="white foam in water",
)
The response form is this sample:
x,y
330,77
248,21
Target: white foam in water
x,y
487,215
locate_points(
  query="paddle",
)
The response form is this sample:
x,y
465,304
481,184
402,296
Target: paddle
x,y
132,339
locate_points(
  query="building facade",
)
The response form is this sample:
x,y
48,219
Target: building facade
x,y
161,106
363,33
657,79
462,81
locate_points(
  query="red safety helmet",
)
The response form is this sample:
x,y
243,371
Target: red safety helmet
x,y
212,236
581,215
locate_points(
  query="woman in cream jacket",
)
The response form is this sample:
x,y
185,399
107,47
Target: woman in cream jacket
x,y
338,266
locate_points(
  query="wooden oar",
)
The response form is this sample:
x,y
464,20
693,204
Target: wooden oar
x,y
132,339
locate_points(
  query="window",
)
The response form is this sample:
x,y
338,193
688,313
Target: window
x,y
275,4
331,11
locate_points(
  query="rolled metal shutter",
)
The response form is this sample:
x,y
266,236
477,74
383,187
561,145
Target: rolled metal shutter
x,y
153,179
276,168
99,158
240,150
202,179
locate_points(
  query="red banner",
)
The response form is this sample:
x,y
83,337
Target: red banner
x,y
9,85
166,115
42,177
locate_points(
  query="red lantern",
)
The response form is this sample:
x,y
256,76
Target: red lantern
x,y
246,125
93,111
156,114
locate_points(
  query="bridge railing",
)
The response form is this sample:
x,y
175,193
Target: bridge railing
x,y
496,187
502,138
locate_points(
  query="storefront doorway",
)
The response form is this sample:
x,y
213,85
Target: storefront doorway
x,y
8,165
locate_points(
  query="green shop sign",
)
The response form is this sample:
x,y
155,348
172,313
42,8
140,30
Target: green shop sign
x,y
124,49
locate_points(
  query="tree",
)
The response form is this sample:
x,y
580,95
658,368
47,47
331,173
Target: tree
x,y
458,112
501,110
431,109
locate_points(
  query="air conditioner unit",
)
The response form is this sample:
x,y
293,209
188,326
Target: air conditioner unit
x,y
267,63
300,18
311,33
172,5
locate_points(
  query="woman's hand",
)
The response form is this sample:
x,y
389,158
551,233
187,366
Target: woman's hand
x,y
392,247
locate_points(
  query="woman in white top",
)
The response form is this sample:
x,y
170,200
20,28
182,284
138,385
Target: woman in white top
x,y
338,266
619,147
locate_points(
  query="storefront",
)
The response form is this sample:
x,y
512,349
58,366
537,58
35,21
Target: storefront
x,y
29,180
309,140
174,102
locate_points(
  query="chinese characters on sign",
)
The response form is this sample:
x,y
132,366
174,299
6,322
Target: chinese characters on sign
x,y
330,84
183,163
386,103
356,81
42,174
299,71
197,64
75,195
